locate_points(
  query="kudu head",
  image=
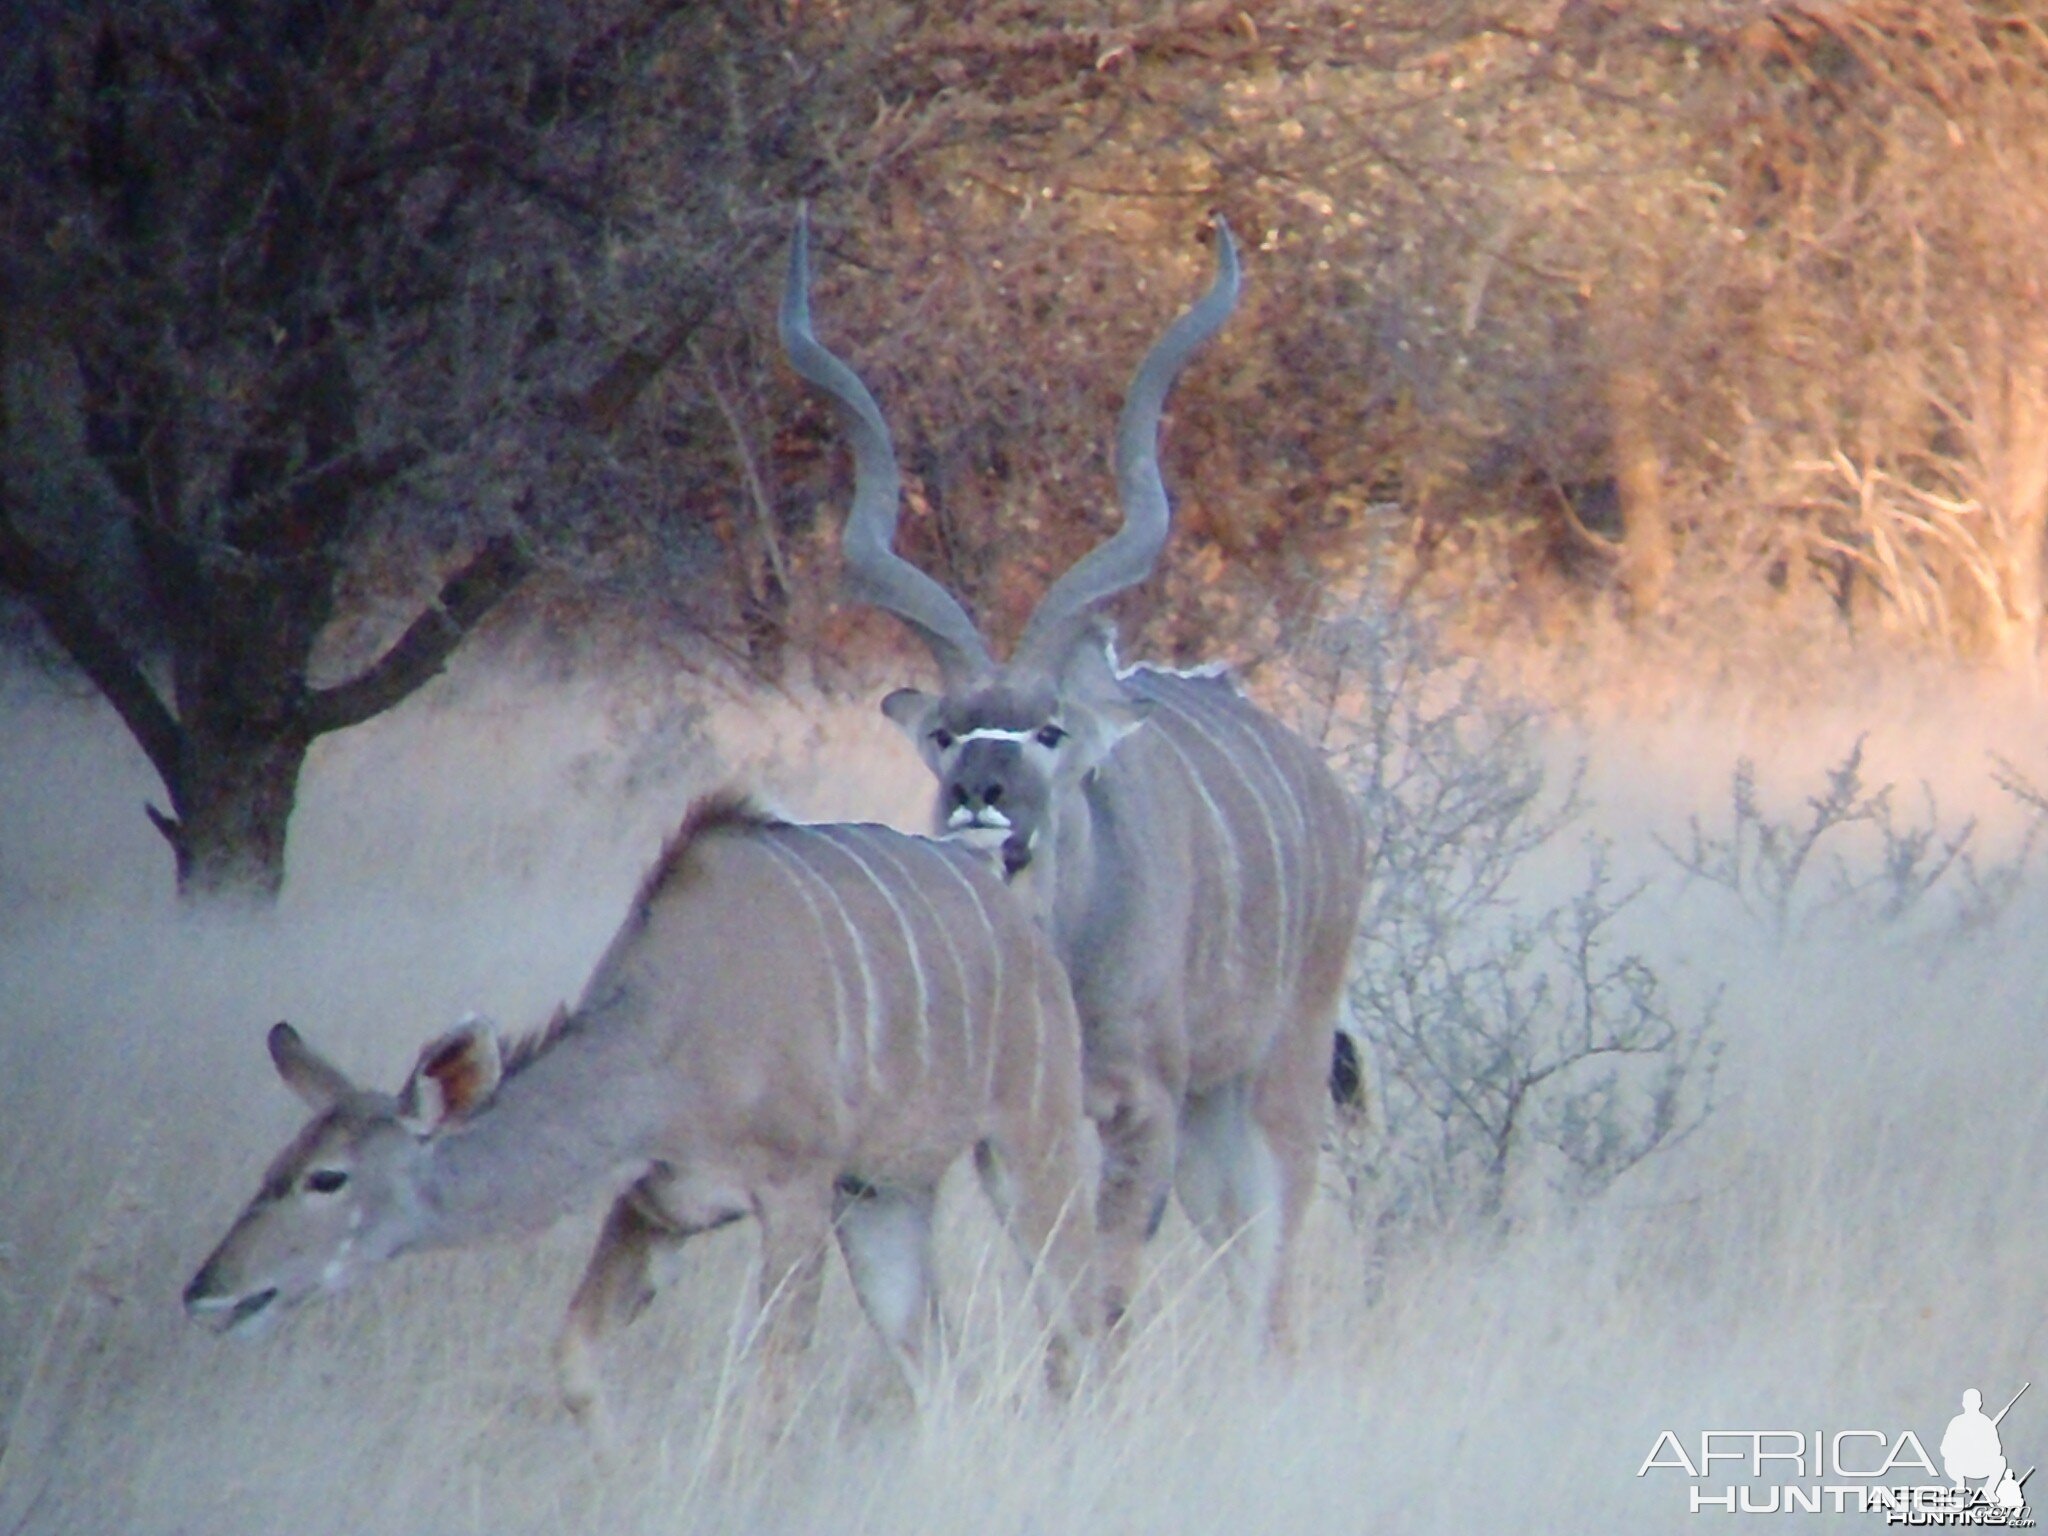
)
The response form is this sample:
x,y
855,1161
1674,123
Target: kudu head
x,y
344,1195
1005,741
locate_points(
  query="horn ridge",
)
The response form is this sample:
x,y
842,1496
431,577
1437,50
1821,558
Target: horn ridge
x,y
875,573
1129,555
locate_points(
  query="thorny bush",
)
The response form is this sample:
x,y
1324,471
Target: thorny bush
x,y
1881,865
1515,1037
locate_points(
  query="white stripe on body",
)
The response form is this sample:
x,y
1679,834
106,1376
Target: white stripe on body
x,y
1287,939
896,853
801,878
995,1015
832,836
992,1018
1233,879
870,992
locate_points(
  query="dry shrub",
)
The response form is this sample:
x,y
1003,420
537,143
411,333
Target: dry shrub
x,y
1728,309
1891,180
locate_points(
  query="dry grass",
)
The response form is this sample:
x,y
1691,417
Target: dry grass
x,y
1851,1241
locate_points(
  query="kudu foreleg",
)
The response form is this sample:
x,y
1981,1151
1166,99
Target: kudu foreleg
x,y
1045,1196
1135,1119
615,1288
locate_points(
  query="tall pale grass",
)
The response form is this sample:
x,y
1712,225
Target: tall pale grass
x,y
1853,1239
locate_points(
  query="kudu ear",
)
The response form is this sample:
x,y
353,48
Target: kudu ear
x,y
1088,669
910,708
1098,725
1097,698
305,1071
455,1076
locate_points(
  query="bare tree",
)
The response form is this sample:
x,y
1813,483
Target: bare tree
x,y
303,301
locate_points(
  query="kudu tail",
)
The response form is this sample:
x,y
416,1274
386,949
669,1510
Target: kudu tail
x,y
1355,1081
1347,1073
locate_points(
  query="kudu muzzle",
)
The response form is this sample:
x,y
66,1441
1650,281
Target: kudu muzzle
x,y
994,796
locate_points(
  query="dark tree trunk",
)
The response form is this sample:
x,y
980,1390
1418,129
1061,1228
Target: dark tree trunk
x,y
228,834
248,718
257,274
231,754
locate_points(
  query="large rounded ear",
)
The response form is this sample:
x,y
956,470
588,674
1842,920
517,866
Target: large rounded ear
x,y
305,1071
1099,708
454,1077
1097,726
915,712
909,708
1088,669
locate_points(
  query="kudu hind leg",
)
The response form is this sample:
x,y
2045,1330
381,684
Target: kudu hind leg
x,y
1229,1183
886,1236
796,1233
1288,1112
1049,1212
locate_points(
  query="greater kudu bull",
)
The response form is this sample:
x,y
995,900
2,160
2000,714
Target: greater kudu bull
x,y
1198,864
806,1024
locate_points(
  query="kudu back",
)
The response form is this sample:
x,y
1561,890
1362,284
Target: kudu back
x,y
1198,864
803,1024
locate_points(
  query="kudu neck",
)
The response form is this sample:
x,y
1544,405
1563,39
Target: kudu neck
x,y
565,1132
1079,847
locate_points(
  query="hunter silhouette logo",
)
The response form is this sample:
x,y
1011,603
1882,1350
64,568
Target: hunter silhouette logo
x,y
1971,1449
1786,1470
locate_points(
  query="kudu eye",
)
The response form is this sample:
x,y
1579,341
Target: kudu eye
x,y
326,1181
1050,736
942,739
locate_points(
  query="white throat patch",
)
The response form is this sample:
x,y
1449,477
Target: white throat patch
x,y
987,819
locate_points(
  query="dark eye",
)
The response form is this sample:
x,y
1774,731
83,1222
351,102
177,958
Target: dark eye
x,y
942,738
325,1181
1050,735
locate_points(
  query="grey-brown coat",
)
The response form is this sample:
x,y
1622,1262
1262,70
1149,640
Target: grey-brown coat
x,y
803,1024
1198,864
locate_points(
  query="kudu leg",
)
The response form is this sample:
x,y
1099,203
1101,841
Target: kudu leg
x,y
1050,1215
886,1235
1229,1182
1288,1111
615,1289
1135,1120
796,1233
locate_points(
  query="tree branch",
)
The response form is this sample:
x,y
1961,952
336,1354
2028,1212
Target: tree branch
x,y
750,473
603,406
423,650
53,590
